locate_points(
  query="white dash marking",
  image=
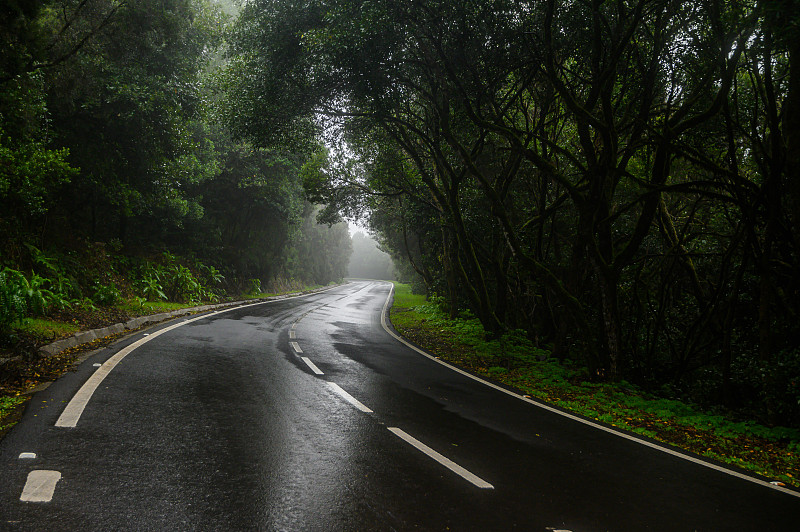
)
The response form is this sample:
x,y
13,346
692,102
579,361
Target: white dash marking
x,y
97,364
313,366
292,334
449,464
40,486
349,398
27,456
296,347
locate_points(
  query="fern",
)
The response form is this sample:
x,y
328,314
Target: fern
x,y
13,304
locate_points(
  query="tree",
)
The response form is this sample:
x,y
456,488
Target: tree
x,y
127,106
610,176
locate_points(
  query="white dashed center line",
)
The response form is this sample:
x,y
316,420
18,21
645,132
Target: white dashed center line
x,y
40,486
449,464
349,398
296,347
311,365
292,334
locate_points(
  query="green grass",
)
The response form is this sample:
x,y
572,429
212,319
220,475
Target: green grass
x,y
260,295
46,329
514,360
7,406
404,299
403,304
152,307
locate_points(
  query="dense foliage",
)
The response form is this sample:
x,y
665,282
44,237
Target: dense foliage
x,y
111,146
618,179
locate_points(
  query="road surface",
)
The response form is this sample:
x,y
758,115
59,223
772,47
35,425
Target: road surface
x,y
306,414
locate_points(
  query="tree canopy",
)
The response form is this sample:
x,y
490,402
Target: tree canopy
x,y
615,178
111,131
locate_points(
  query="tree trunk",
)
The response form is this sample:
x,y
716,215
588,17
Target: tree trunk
x,y
451,277
611,328
791,128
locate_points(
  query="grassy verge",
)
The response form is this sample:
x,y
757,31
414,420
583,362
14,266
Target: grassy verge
x,y
132,306
45,329
773,452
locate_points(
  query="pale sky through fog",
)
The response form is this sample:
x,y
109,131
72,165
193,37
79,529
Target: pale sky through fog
x,y
356,227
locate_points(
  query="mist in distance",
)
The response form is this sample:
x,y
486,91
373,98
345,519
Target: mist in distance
x,y
368,261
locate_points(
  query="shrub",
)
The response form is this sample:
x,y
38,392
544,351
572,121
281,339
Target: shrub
x,y
150,283
106,295
182,285
253,286
20,297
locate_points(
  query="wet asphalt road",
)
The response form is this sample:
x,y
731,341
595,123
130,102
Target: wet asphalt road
x,y
220,424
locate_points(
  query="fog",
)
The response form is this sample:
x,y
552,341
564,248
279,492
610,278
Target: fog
x,y
367,261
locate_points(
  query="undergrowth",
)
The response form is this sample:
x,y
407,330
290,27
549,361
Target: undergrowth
x,y
514,360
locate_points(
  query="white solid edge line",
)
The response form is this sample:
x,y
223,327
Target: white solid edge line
x,y
40,486
349,398
311,365
449,464
296,347
72,413
576,418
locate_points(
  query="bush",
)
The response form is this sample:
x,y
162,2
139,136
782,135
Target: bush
x,y
176,282
106,295
20,297
182,285
150,282
253,286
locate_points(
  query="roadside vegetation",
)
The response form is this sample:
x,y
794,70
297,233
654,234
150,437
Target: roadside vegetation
x,y
773,452
59,294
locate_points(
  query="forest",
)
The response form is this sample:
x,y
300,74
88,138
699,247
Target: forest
x,y
118,176
618,181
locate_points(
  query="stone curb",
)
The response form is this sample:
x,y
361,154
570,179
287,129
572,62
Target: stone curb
x,y
84,337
